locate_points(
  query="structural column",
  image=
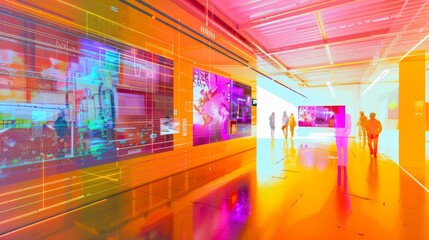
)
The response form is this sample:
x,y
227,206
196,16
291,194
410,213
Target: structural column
x,y
412,113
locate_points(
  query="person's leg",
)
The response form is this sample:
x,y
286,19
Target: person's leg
x,y
286,130
365,139
345,150
370,139
283,130
364,134
339,155
375,146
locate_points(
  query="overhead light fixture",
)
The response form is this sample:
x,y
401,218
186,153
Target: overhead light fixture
x,y
330,88
328,52
382,75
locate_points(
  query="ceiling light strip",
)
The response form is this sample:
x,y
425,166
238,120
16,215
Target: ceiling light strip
x,y
415,46
328,83
382,75
328,52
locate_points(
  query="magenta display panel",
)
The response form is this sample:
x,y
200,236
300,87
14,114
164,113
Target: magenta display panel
x,y
241,109
221,107
321,116
72,100
211,107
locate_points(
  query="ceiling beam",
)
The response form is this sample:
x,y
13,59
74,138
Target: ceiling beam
x,y
329,41
293,13
322,30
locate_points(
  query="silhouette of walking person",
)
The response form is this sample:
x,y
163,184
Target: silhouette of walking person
x,y
285,124
292,124
373,129
342,133
272,124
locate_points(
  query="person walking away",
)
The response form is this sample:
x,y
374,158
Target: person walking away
x,y
373,129
361,124
61,130
272,124
285,124
292,124
342,133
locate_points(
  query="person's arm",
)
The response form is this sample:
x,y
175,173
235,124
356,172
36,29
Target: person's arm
x,y
380,127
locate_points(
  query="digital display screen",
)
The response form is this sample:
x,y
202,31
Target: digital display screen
x,y
217,102
241,109
72,95
321,116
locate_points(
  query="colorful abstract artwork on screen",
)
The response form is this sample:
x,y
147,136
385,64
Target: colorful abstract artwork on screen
x,y
222,108
69,98
321,116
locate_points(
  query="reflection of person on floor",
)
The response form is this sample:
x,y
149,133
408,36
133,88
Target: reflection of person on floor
x,y
342,133
285,123
343,200
373,129
292,124
272,124
292,150
285,149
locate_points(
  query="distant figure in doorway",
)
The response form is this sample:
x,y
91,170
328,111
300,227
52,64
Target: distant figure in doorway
x,y
292,124
342,132
61,126
331,121
61,130
272,124
373,129
285,123
362,125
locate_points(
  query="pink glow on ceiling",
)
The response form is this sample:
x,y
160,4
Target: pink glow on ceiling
x,y
305,34
304,58
287,32
248,10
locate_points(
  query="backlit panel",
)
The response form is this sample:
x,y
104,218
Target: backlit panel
x,y
222,108
76,99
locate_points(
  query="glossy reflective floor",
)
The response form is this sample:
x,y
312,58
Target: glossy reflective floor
x,y
294,190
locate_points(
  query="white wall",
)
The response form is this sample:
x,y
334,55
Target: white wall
x,y
268,103
273,97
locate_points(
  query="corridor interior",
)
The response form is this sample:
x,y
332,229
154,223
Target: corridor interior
x,y
292,190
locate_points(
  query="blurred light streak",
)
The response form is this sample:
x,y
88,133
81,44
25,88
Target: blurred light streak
x,y
411,176
330,88
415,46
382,75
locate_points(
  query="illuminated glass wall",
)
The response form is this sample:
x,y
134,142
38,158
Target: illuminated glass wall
x,y
75,99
